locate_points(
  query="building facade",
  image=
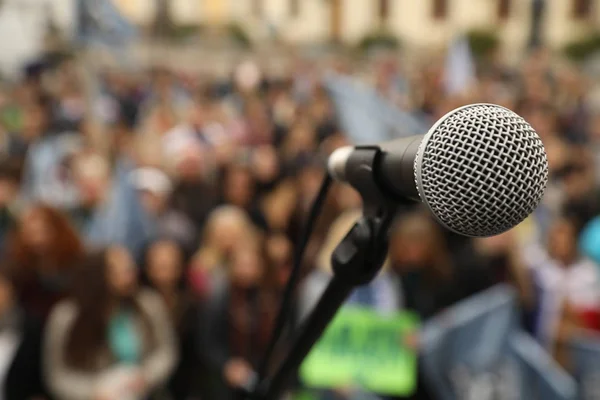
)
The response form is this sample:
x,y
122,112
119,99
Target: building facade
x,y
414,22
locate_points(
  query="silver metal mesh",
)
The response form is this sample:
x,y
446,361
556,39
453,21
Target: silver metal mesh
x,y
482,170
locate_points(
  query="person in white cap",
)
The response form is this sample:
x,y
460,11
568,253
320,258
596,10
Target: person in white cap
x,y
155,188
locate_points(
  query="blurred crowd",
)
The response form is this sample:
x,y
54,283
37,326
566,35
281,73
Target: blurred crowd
x,y
148,220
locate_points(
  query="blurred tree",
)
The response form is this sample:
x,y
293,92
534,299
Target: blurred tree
x,y
239,35
482,42
581,49
379,39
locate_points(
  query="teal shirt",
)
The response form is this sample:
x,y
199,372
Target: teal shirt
x,y
124,339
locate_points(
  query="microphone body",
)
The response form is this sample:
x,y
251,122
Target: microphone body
x,y
481,169
393,171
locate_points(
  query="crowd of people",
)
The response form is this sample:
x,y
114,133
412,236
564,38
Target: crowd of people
x,y
148,221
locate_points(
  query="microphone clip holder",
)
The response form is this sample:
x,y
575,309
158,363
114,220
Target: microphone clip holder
x,y
356,261
362,178
360,255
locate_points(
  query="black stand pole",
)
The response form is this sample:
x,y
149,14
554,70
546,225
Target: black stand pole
x,y
356,261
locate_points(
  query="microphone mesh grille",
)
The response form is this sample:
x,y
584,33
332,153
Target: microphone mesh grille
x,y
481,170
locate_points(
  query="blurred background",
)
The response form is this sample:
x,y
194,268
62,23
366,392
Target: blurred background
x,y
158,160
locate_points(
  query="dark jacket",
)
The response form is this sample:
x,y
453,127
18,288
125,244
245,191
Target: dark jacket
x,y
222,341
195,200
24,379
188,376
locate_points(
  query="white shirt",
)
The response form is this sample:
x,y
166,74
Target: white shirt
x,y
9,344
578,284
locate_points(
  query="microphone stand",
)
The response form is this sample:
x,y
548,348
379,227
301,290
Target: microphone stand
x,y
356,261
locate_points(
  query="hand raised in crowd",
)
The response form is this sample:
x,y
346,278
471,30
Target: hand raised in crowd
x,y
238,372
138,383
411,340
101,395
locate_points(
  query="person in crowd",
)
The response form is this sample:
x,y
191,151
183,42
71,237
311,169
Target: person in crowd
x,y
279,206
10,179
43,251
301,140
202,123
259,129
12,146
239,189
280,103
20,346
431,279
266,168
164,89
227,228
194,191
279,254
568,288
165,272
238,322
69,108
155,188
36,122
92,175
502,260
581,192
110,339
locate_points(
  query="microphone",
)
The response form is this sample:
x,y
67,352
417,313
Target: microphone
x,y
481,169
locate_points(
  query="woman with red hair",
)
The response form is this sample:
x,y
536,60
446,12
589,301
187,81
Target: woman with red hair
x,y
43,251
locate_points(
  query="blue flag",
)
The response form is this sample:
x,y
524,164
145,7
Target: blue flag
x,y
459,71
365,116
538,374
585,359
475,351
589,240
100,22
47,173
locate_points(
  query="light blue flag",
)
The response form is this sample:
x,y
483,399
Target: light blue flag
x,y
47,175
365,116
585,360
589,240
463,351
459,72
122,219
100,22
540,377
474,351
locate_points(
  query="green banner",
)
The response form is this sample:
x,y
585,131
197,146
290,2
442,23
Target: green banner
x,y
362,348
